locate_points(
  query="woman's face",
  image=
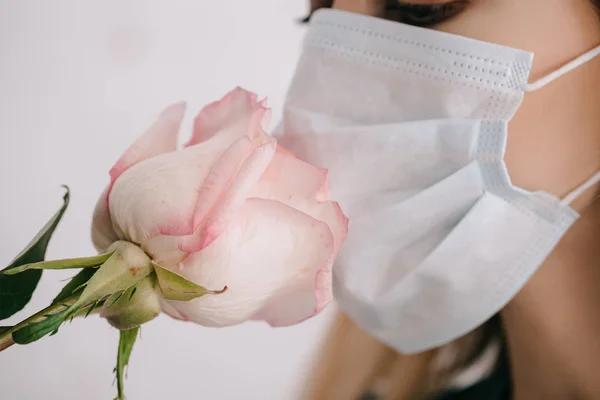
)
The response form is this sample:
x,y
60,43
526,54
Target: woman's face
x,y
553,145
553,141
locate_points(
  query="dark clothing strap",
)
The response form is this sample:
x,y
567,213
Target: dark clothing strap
x,y
497,386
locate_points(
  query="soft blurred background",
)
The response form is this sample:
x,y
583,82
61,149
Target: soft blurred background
x,y
79,81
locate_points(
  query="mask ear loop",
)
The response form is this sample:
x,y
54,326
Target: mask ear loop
x,y
569,198
582,59
540,83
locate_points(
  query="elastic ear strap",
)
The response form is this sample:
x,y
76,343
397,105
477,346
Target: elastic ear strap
x,y
569,198
582,59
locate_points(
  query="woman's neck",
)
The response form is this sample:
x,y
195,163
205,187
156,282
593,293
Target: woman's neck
x,y
553,324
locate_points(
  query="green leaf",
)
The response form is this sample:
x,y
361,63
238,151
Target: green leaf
x,y
16,290
35,331
126,341
75,284
176,287
82,262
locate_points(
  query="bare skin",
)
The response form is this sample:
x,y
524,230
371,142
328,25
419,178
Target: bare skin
x,y
553,324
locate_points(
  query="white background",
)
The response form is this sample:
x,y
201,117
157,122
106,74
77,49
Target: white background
x,y
79,81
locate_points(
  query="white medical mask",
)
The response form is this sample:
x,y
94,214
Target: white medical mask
x,y
412,125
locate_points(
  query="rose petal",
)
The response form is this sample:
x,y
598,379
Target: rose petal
x,y
103,234
170,310
330,213
288,309
305,187
277,313
242,184
220,177
174,238
229,117
234,197
229,164
290,177
270,251
168,247
158,196
160,138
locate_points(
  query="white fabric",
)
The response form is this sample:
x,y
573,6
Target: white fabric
x,y
412,125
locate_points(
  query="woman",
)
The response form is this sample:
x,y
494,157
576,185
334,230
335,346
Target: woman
x,y
539,338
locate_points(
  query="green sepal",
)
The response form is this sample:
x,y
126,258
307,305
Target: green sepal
x,y
126,341
88,309
176,287
16,290
82,262
134,307
127,266
76,284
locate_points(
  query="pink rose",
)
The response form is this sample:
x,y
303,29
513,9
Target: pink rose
x,y
231,208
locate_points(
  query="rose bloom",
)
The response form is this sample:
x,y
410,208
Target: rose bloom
x,y
231,208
